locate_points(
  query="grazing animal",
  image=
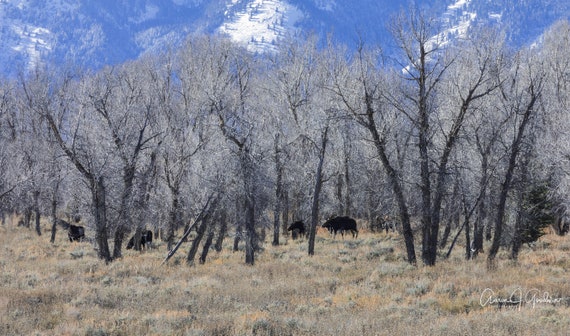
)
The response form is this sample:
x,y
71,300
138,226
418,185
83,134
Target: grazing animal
x,y
297,228
341,224
76,233
146,240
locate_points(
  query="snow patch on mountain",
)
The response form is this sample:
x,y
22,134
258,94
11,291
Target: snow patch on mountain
x,y
456,23
495,16
458,20
32,41
95,33
260,24
458,5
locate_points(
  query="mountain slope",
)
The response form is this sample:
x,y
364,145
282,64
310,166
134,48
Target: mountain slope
x,y
92,34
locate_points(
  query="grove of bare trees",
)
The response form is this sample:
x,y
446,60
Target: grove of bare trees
x,y
470,138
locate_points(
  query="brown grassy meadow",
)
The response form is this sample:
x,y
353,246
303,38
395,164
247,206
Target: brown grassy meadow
x,y
353,287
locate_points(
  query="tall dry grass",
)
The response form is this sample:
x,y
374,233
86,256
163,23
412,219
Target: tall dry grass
x,y
353,287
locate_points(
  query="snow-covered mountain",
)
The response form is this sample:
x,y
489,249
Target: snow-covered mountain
x,y
94,33
260,23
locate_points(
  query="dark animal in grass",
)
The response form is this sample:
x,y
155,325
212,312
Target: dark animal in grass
x,y
297,229
76,233
341,224
146,240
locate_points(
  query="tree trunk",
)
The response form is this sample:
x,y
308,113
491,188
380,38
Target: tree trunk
x,y
425,190
120,232
278,193
479,225
237,238
248,171
221,232
517,241
453,212
506,185
173,218
37,212
468,252
207,244
200,230
98,193
137,239
452,245
202,218
396,189
53,216
97,188
446,232
250,237
517,237
125,222
347,199
276,226
499,219
285,213
27,217
317,193
483,227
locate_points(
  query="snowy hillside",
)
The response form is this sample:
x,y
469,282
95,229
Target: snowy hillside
x,y
94,33
459,18
261,23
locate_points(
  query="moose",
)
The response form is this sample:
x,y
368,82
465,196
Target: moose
x,y
75,233
146,240
341,224
297,229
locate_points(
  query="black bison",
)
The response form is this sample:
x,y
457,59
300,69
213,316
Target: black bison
x,y
146,240
297,228
76,233
341,224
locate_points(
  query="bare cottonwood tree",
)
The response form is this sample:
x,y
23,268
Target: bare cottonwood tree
x,y
521,96
75,131
165,131
418,37
8,135
300,89
289,92
319,180
227,82
463,76
554,143
473,75
359,87
121,98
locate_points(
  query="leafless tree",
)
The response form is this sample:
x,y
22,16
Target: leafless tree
x,y
462,76
226,82
521,98
120,96
54,99
359,86
288,94
8,136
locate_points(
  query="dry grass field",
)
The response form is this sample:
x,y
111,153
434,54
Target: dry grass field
x,y
353,287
